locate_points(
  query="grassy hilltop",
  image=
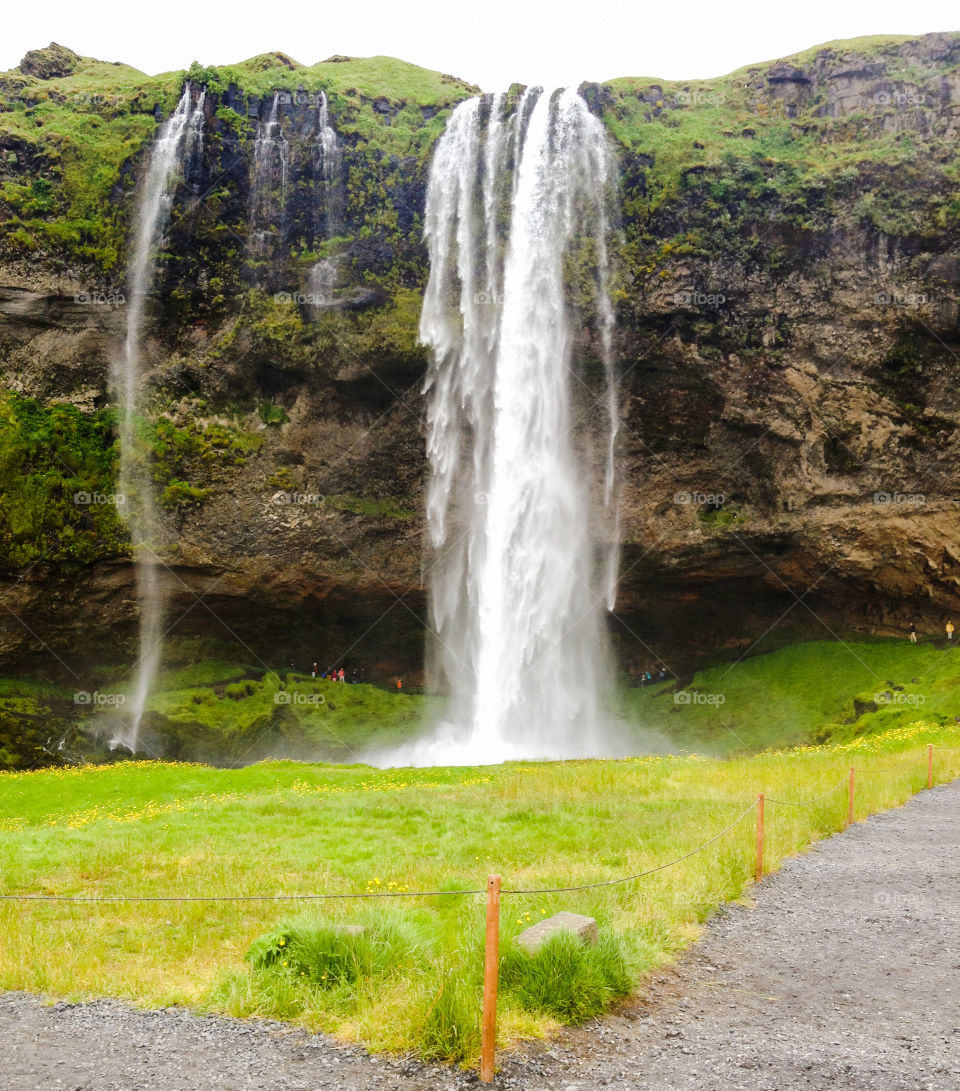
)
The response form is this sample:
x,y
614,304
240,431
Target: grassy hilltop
x,y
76,140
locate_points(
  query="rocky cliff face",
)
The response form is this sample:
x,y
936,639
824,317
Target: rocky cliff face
x,y
788,335
797,328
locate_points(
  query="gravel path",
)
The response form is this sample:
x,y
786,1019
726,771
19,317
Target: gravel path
x,y
846,974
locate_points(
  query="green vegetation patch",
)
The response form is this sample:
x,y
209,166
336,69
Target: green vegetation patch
x,y
800,694
410,979
58,502
566,979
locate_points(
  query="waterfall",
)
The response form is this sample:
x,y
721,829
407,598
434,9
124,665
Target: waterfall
x,y
271,168
322,277
327,145
180,138
521,503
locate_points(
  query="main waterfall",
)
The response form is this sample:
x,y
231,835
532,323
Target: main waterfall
x,y
522,421
179,142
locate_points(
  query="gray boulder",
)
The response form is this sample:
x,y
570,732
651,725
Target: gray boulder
x,y
584,928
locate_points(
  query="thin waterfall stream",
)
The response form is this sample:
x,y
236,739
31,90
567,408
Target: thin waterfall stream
x,y
180,138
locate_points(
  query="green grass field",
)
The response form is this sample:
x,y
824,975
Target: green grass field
x,y
222,711
174,830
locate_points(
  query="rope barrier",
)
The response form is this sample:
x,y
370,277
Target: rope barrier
x,y
112,899
109,899
641,874
493,892
887,769
806,802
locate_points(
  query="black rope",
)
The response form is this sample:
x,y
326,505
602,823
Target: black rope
x,y
641,874
109,898
806,802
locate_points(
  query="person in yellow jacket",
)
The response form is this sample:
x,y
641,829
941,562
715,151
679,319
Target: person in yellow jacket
x,y
949,628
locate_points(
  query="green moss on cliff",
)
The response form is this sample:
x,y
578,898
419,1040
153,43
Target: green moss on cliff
x,y
189,459
76,134
57,486
85,134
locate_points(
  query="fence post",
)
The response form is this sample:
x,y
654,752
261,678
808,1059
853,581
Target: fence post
x,y
930,765
491,970
758,870
853,774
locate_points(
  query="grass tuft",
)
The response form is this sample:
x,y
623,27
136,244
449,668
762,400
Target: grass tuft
x,y
566,979
451,1028
317,952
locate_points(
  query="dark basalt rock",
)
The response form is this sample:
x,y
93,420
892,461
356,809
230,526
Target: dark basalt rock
x,y
786,73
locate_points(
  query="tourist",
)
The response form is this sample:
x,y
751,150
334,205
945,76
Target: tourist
x,y
913,633
949,630
313,673
341,676
399,684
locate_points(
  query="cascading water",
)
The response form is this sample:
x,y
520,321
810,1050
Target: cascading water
x,y
326,172
180,140
271,174
521,502
327,146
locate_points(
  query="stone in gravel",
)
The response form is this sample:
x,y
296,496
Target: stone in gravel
x,y
584,928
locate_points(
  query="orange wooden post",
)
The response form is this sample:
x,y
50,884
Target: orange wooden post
x,y
850,798
491,970
930,765
758,870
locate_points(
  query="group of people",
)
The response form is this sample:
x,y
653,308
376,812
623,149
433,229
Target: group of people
x,y
337,674
340,674
912,631
650,676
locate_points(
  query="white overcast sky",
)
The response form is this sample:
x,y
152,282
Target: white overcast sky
x,y
489,42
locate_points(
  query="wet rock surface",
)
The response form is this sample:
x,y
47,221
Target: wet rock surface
x,y
844,974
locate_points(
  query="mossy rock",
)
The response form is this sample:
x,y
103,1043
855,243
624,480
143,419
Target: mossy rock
x,y
54,62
